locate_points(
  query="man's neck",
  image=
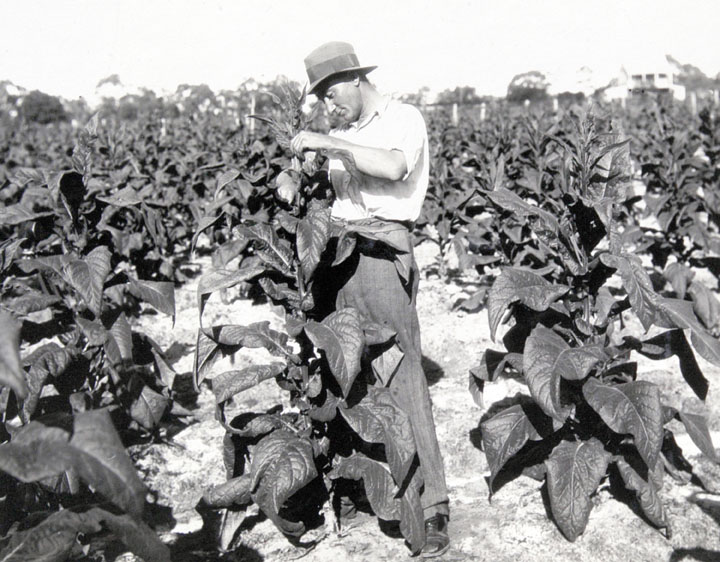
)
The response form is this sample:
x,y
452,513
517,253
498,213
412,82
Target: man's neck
x,y
372,101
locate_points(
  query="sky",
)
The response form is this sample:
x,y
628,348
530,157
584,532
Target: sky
x,y
65,47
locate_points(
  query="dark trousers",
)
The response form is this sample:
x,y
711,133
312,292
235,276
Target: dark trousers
x,y
369,281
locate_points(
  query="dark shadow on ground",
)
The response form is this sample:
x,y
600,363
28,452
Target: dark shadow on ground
x,y
198,547
700,554
710,504
433,371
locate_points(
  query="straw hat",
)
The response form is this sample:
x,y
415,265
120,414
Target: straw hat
x,y
330,59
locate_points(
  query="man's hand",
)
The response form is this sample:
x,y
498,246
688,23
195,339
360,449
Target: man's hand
x,y
311,141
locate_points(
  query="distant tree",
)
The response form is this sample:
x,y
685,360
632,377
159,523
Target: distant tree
x,y
195,98
531,86
461,95
692,77
38,107
419,98
570,98
113,80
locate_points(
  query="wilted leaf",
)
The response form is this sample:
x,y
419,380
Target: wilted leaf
x,y
282,464
631,408
340,336
574,471
516,285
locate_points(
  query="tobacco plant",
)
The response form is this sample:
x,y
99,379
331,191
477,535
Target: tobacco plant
x,y
68,292
294,462
588,416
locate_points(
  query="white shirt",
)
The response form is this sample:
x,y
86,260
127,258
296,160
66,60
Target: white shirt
x,y
396,126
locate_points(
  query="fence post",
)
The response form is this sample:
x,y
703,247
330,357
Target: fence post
x,y
716,97
251,122
455,118
483,111
555,104
693,102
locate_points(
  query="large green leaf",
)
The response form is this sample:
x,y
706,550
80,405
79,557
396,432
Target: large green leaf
x,y
506,433
54,538
380,487
159,294
101,460
11,374
377,418
255,335
148,406
228,384
647,494
94,451
697,429
273,250
574,470
674,342
542,370
638,285
518,285
340,336
235,491
217,279
31,301
50,360
282,464
705,304
35,453
680,314
87,276
631,408
313,233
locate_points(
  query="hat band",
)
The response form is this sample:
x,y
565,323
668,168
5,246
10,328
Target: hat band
x,y
334,65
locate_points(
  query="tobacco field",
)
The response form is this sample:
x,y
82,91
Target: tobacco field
x,y
174,387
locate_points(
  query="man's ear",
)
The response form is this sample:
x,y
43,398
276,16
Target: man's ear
x,y
356,80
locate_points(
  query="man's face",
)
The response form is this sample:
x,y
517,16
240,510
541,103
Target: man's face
x,y
343,100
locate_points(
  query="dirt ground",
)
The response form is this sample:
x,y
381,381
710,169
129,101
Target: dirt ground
x,y
513,526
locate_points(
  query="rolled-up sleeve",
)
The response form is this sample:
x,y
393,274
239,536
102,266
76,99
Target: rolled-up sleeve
x,y
411,138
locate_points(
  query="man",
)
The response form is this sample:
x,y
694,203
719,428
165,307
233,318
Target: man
x,y
379,167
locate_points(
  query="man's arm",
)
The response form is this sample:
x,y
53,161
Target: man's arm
x,y
376,162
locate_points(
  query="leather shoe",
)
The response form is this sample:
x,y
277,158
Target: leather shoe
x,y
437,540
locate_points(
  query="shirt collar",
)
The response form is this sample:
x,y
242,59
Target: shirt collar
x,y
379,111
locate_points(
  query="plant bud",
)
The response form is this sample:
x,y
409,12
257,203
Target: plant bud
x,y
287,185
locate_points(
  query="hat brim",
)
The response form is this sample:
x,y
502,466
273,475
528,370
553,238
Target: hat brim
x,y
314,85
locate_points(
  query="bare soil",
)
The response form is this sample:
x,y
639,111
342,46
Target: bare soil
x,y
514,525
